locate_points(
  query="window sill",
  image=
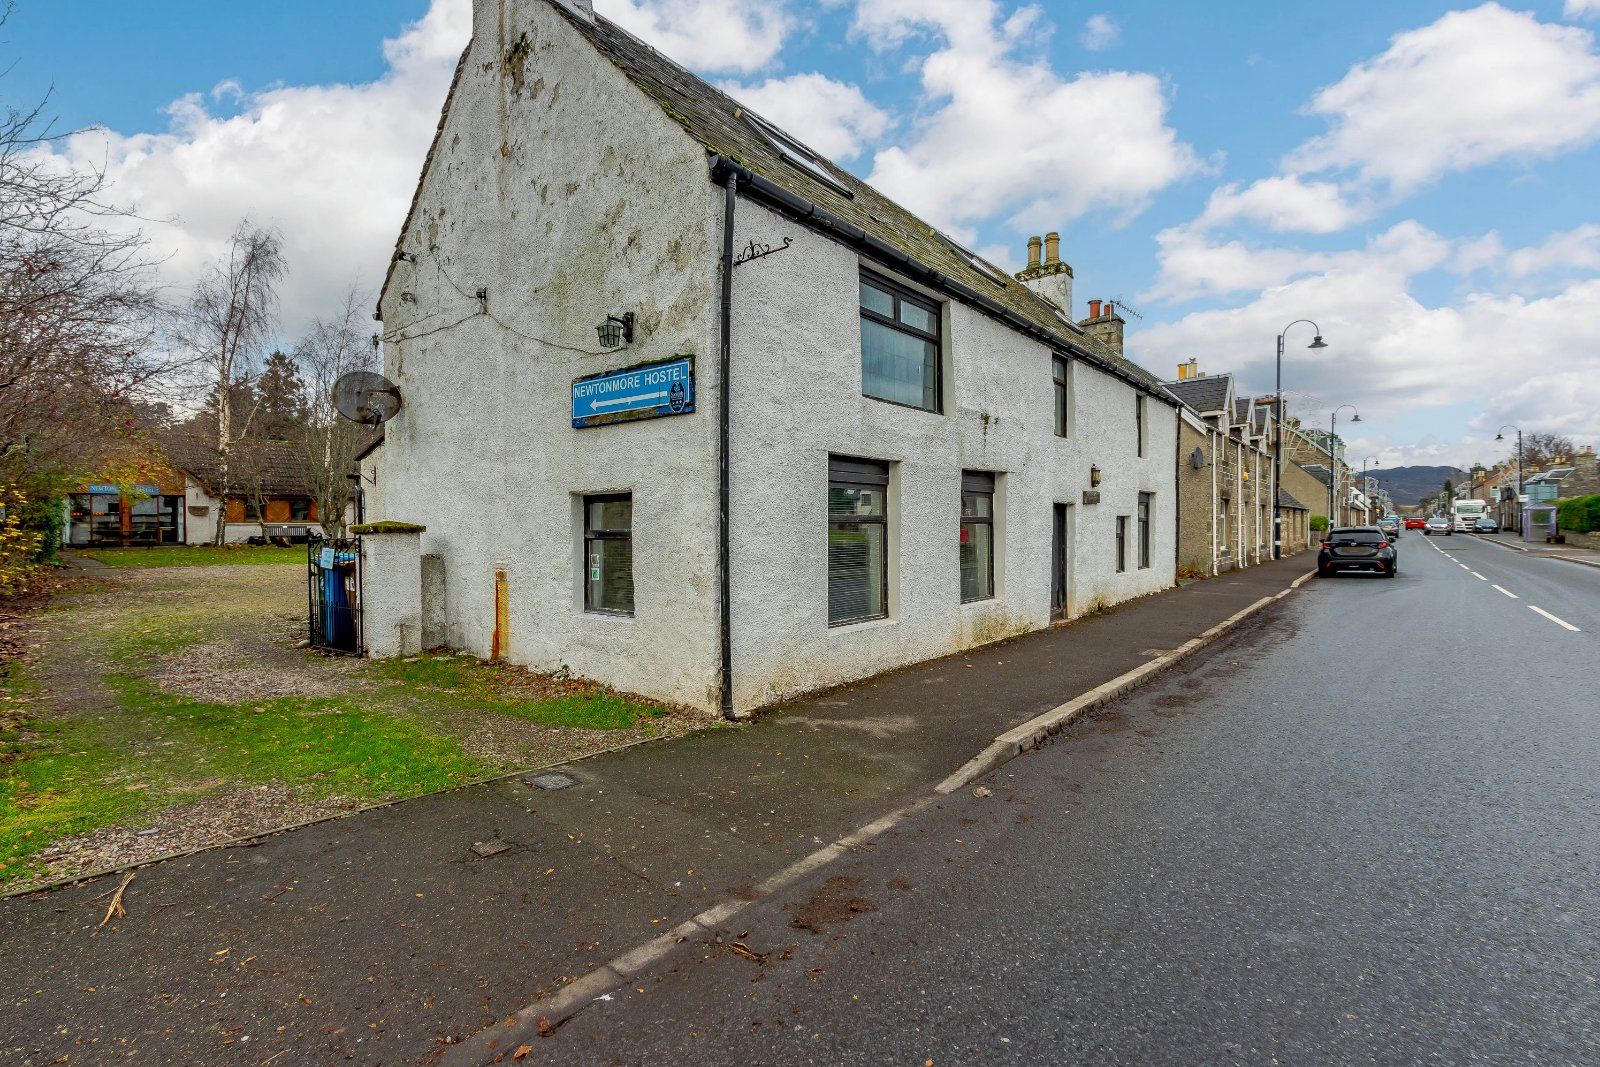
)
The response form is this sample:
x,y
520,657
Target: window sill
x,y
979,599
863,624
902,404
618,616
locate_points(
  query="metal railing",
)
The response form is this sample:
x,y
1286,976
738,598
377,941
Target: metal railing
x,y
333,593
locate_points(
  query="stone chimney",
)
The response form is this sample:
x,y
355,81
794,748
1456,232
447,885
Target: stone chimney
x,y
1051,278
1186,370
1104,325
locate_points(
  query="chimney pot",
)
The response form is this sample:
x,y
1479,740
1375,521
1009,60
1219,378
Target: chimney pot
x,y
1094,309
1033,251
1052,247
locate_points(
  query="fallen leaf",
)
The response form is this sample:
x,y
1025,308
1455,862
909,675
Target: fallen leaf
x,y
522,1050
544,1027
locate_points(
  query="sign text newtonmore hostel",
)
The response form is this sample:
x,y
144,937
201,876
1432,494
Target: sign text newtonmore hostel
x,y
648,391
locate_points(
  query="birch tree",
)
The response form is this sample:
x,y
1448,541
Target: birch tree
x,y
333,347
230,318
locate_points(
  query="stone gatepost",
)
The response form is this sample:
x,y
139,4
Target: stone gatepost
x,y
391,588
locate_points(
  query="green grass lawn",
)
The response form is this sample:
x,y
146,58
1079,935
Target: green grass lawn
x,y
196,555
102,727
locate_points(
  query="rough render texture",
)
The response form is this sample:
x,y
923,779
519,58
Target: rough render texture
x,y
570,196
567,194
391,609
797,398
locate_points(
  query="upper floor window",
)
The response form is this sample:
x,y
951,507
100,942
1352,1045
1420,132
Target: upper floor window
x,y
1138,422
899,345
1061,370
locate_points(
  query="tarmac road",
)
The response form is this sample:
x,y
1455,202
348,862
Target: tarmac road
x,y
1365,829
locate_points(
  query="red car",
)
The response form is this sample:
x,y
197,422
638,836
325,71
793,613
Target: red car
x,y
1415,522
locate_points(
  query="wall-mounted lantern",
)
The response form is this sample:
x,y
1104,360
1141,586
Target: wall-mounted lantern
x,y
1094,477
616,331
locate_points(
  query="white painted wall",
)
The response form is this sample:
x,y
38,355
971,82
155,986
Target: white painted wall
x,y
797,398
600,204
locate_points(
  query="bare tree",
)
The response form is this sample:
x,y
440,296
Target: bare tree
x,y
1542,450
230,318
78,310
333,347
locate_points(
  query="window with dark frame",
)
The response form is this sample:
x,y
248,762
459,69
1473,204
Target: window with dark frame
x,y
858,540
977,536
1138,422
1144,530
300,509
1061,370
608,554
900,345
1122,543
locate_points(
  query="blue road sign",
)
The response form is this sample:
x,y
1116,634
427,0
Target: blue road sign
x,y
648,391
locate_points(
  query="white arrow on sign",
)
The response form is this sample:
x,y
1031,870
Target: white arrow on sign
x,y
634,399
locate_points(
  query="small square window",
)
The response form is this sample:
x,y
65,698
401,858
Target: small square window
x,y
608,554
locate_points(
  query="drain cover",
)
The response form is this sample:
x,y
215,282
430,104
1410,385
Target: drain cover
x,y
550,780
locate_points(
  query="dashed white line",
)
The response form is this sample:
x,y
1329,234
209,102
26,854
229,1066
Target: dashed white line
x,y
1508,592
1478,576
1554,619
1463,566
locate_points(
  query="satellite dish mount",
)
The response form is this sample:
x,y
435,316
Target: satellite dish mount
x,y
366,397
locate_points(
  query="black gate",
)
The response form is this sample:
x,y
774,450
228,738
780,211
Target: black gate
x,y
333,592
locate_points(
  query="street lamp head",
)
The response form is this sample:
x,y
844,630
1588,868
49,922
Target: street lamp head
x,y
1355,418
1317,342
1499,437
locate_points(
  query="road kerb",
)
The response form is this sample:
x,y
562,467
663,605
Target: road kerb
x,y
522,1028
1519,548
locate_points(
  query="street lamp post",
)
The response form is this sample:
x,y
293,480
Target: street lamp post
x,y
1500,436
1366,488
1277,451
1333,459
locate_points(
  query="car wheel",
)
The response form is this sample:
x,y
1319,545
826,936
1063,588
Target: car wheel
x,y
1391,572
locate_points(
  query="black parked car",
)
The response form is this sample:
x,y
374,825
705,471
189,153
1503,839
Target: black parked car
x,y
1485,524
1357,548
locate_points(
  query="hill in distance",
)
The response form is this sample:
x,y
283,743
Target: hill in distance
x,y
1408,485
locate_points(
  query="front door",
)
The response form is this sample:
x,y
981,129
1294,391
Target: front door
x,y
1060,543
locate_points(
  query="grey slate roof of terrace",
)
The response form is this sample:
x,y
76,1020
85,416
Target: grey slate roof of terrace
x,y
1286,499
1317,471
718,122
1204,395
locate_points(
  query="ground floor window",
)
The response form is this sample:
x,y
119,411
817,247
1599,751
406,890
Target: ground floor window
x,y
1144,530
977,535
111,517
608,553
300,509
1122,543
858,540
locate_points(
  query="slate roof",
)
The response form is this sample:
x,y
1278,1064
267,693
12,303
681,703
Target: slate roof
x,y
1317,471
1286,499
1205,394
270,467
720,123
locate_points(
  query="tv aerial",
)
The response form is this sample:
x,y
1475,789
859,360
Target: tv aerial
x,y
366,397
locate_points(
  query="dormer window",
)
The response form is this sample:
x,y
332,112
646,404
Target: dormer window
x,y
798,154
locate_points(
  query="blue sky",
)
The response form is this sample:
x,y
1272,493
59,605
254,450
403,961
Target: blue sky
x,y
1426,170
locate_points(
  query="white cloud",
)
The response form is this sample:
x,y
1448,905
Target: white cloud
x,y
1193,266
1099,32
1005,135
710,35
1581,9
1516,358
1283,204
1576,249
832,117
333,166
1472,88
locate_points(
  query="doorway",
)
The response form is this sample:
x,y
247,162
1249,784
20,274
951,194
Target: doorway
x,y
1060,562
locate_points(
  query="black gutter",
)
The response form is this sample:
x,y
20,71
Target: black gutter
x,y
724,407
825,222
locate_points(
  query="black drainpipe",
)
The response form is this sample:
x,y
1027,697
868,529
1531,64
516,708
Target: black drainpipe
x,y
724,408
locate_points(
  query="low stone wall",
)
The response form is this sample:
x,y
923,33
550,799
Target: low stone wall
x,y
1582,540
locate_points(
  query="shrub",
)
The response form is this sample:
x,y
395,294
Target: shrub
x,y
19,545
1581,514
1319,523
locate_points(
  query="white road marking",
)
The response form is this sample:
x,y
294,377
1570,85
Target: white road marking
x,y
1508,592
1552,618
1463,566
1478,576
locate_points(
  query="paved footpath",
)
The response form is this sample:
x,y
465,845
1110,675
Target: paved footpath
x,y
382,937
1573,553
1349,834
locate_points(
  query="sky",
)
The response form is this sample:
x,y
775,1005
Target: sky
x,y
1417,178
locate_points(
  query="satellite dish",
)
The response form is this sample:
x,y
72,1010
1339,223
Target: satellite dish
x,y
1197,458
366,397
